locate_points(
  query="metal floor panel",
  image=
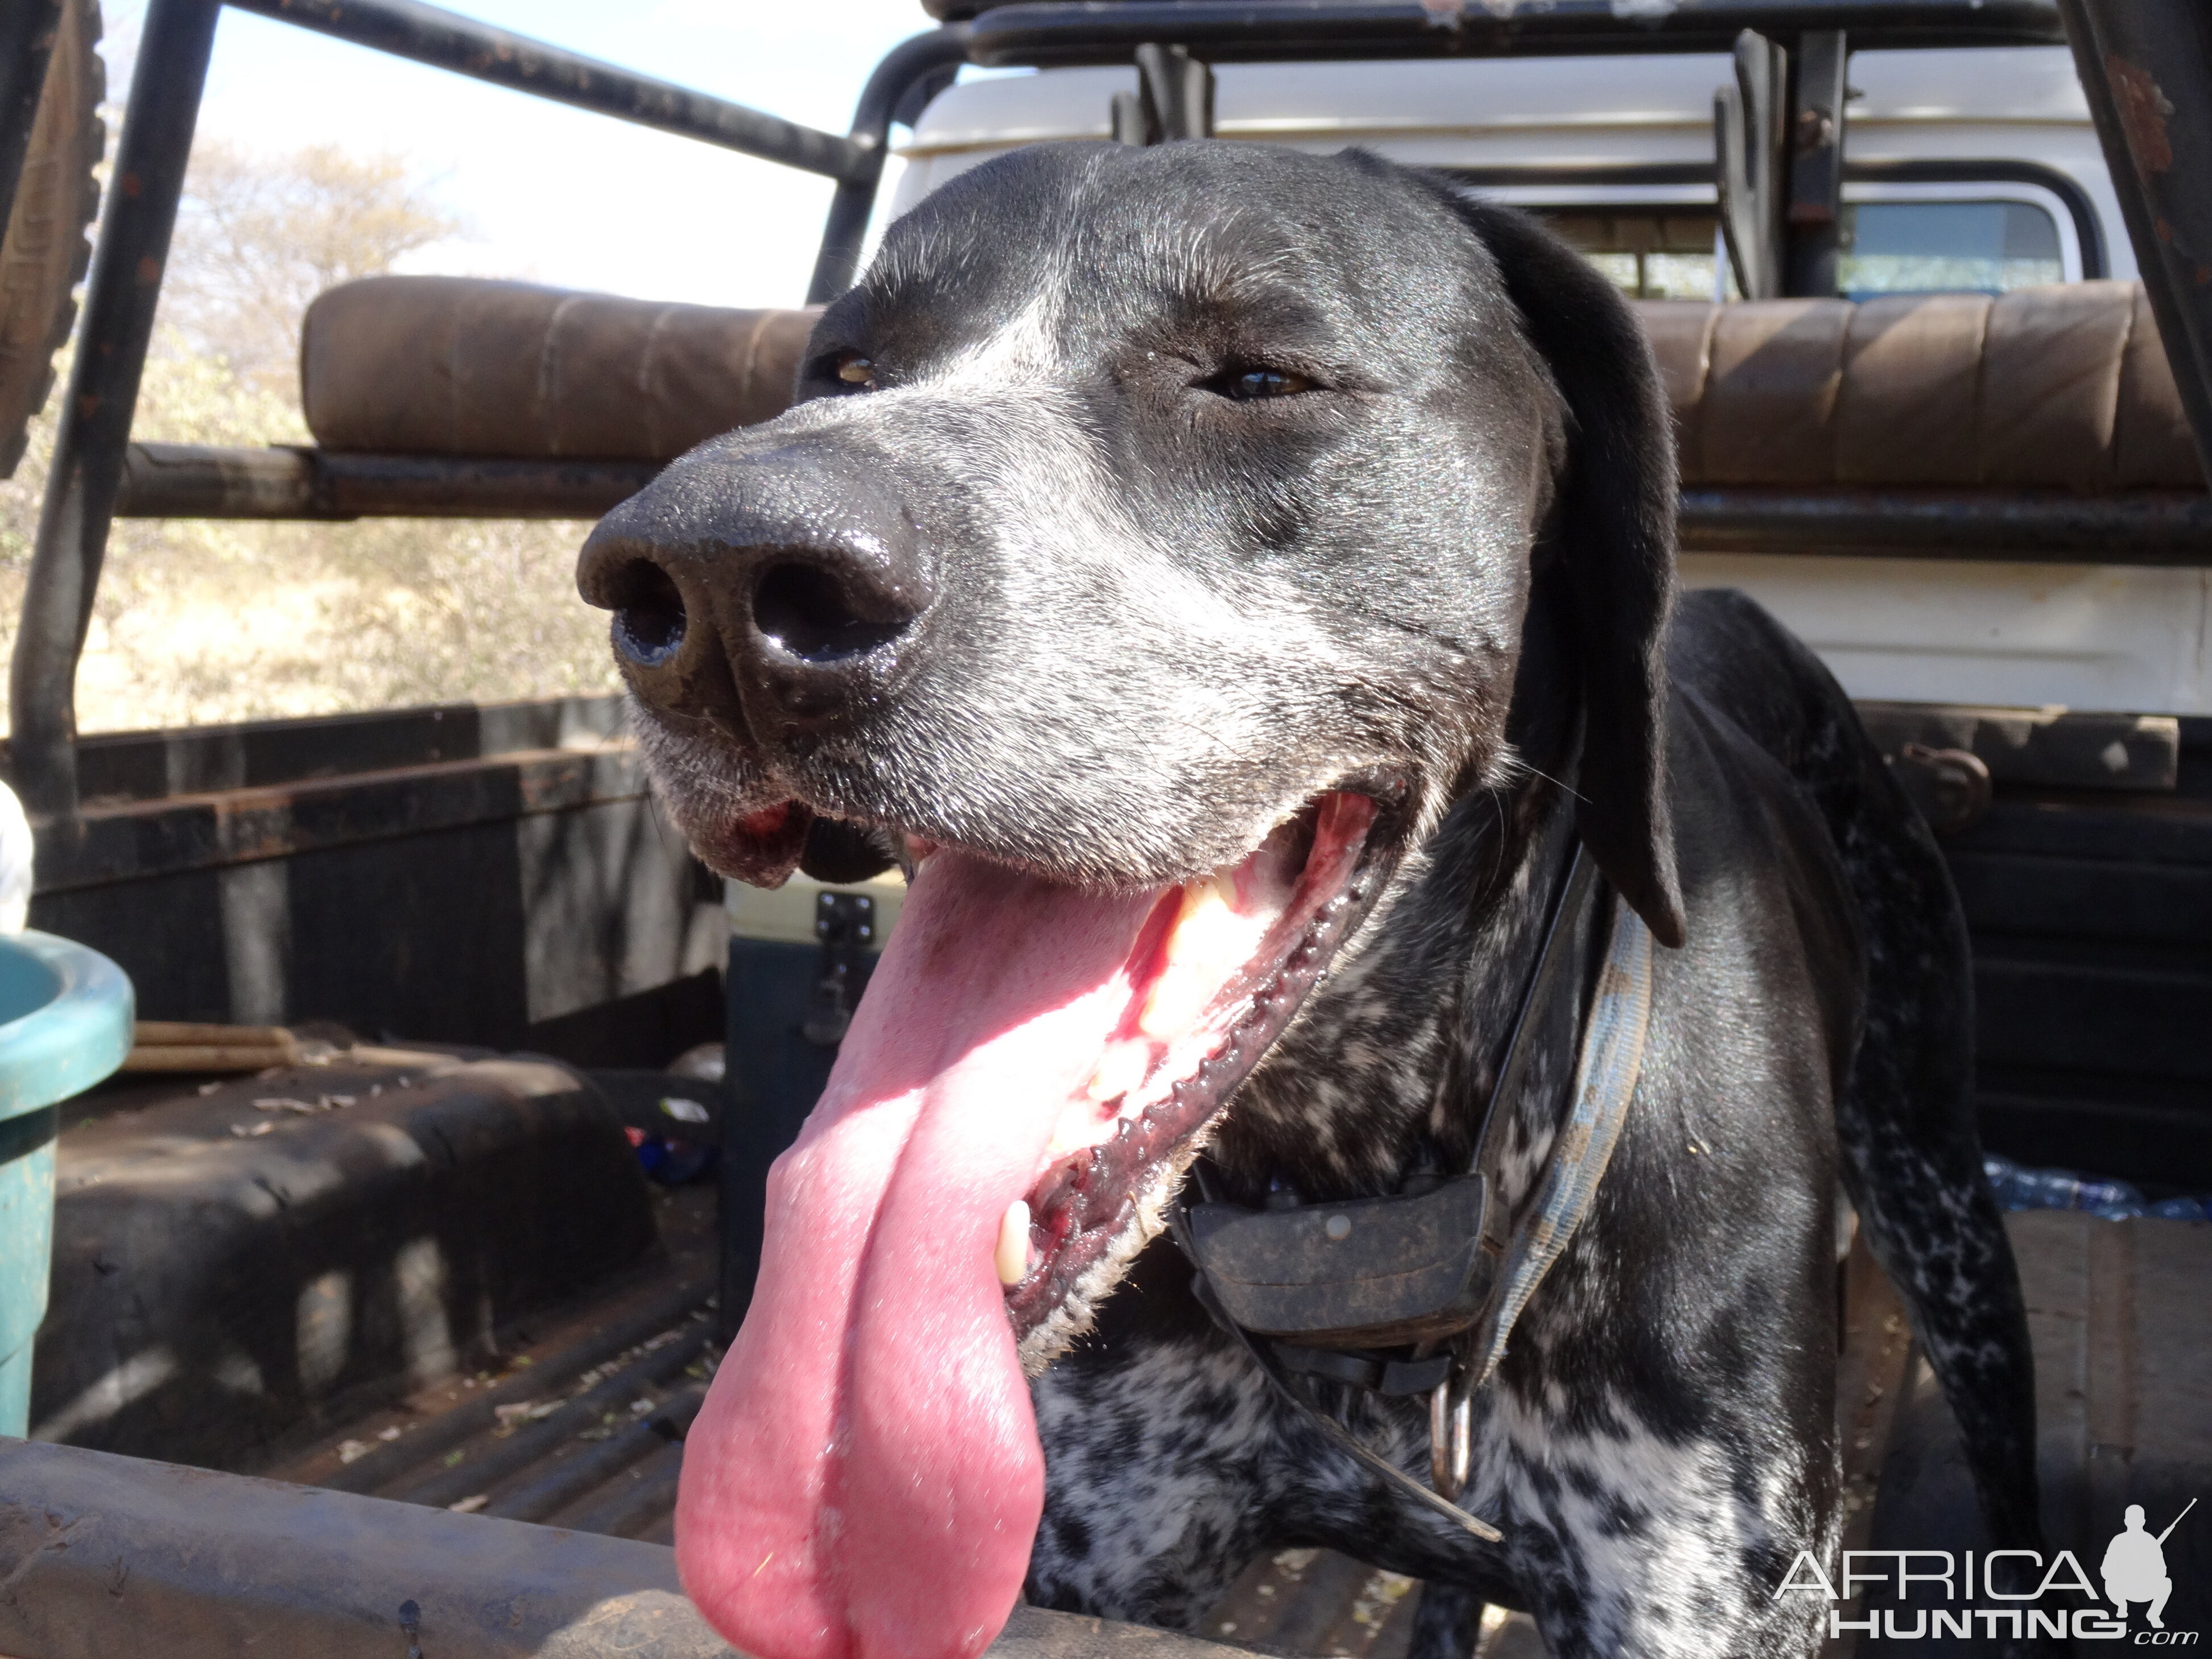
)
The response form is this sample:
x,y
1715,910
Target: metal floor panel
x,y
581,1423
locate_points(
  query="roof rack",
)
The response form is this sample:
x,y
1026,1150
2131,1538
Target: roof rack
x,y
1045,32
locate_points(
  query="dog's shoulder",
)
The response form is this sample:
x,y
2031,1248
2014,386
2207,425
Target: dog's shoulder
x,y
1725,648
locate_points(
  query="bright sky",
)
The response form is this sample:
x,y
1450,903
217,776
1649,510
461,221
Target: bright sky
x,y
557,194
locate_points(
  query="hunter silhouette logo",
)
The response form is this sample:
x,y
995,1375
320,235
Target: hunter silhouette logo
x,y
2134,1565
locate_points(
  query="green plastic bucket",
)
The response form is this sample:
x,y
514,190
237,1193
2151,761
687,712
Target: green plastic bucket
x,y
65,1017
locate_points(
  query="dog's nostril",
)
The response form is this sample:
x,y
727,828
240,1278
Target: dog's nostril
x,y
649,621
804,611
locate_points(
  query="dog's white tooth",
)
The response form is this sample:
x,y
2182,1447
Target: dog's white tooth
x,y
1012,1257
1208,941
1178,997
1206,929
1121,1068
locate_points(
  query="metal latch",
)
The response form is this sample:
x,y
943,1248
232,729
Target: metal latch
x,y
846,924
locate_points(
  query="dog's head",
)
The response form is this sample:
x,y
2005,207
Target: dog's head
x,y
1144,566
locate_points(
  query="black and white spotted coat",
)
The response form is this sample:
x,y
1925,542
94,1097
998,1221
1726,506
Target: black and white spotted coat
x,y
1659,1443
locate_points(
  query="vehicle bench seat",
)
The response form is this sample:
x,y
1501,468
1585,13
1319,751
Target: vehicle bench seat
x,y
2064,387
498,370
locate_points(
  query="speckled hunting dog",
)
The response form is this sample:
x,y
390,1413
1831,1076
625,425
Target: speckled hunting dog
x,y
1230,581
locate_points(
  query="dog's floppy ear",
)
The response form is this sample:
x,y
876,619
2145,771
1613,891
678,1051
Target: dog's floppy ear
x,y
1615,522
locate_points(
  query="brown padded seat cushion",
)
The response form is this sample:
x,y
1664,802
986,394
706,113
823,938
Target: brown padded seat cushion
x,y
459,365
2064,387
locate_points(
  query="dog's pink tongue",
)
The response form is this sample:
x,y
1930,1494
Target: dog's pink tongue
x,y
865,1478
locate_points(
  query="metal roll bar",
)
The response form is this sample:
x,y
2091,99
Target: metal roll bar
x,y
1059,32
92,449
94,427
187,481
2146,66
446,40
908,66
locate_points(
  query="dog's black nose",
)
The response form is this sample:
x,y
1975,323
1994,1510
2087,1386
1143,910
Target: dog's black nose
x,y
808,610
650,618
767,592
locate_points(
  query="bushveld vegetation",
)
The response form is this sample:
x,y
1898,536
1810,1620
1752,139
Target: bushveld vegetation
x,y
202,622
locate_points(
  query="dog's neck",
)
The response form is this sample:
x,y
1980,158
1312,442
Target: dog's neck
x,y
1387,1071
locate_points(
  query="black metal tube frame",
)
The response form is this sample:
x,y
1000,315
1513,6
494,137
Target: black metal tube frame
x,y
94,425
447,40
2156,527
903,67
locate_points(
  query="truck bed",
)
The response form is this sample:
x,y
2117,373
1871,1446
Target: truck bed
x,y
580,1423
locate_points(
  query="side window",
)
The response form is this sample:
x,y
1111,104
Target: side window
x,y
1920,247
1924,245
1653,253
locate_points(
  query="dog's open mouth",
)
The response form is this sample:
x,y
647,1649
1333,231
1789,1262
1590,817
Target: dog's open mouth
x,y
1218,967
1029,1076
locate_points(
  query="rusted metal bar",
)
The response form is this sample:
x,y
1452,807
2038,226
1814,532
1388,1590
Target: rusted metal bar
x,y
1251,31
433,487
2033,527
447,40
189,481
2164,528
1813,221
193,481
2146,66
103,390
105,1555
908,66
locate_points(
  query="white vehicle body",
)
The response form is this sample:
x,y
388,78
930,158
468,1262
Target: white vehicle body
x,y
1634,135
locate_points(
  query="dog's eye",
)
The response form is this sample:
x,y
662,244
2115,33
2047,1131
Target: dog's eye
x,y
854,369
1245,385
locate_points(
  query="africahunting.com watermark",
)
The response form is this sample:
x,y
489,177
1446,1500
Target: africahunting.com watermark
x,y
2132,1575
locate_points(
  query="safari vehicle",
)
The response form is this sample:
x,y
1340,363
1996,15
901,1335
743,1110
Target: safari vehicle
x,y
364,1217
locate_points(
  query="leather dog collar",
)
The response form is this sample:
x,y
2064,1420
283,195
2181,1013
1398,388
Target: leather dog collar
x,y
1325,1289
